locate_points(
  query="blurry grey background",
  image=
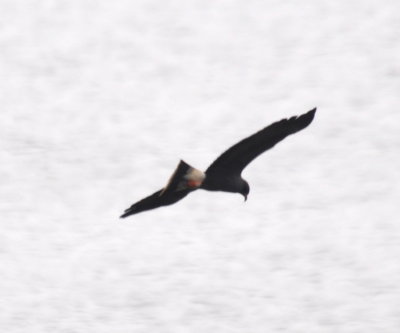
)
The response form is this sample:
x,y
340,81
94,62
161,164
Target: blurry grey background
x,y
100,99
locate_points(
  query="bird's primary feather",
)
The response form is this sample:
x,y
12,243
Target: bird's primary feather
x,y
157,199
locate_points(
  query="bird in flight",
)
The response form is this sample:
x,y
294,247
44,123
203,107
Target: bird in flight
x,y
224,174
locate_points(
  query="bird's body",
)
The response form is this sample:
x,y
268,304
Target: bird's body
x,y
224,174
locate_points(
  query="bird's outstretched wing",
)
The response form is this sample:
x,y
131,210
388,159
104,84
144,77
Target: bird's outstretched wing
x,y
157,199
236,158
184,180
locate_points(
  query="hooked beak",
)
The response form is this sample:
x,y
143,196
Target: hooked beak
x,y
245,198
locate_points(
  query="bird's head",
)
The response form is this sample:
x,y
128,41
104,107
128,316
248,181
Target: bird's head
x,y
245,189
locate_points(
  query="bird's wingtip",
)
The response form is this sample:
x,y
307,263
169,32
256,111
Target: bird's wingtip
x,y
310,115
127,213
312,110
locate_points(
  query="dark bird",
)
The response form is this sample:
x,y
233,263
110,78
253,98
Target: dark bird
x,y
224,174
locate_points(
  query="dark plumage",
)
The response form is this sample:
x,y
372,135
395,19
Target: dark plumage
x,y
224,174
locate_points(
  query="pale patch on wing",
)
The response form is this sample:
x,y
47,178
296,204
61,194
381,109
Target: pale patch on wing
x,y
184,177
193,178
